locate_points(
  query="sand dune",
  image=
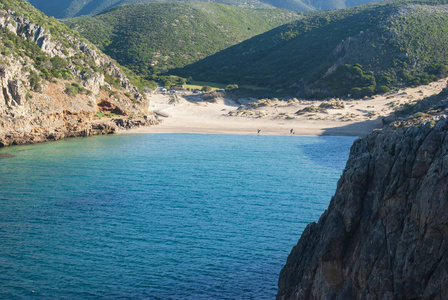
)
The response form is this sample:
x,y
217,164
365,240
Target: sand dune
x,y
191,114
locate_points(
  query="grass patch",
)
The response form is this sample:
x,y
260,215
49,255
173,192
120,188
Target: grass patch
x,y
200,84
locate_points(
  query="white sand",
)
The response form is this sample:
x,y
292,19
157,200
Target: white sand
x,y
359,117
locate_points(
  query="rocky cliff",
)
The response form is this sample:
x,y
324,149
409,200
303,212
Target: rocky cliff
x,y
54,84
385,233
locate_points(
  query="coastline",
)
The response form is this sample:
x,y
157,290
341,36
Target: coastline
x,y
267,127
226,115
220,114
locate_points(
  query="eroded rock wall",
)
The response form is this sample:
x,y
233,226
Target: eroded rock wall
x,y
66,124
52,112
385,233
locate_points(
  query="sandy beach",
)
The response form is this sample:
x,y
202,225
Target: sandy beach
x,y
226,115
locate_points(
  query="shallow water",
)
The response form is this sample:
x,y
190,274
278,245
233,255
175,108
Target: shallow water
x,y
159,216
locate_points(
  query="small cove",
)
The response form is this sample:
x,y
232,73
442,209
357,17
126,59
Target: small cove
x,y
160,216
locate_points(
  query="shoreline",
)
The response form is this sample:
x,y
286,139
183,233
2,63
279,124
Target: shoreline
x,y
214,118
219,114
224,115
366,128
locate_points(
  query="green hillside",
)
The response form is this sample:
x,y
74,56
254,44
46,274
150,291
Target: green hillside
x,y
70,61
358,51
76,8
155,37
44,68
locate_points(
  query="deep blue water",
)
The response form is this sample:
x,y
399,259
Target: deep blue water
x,y
159,216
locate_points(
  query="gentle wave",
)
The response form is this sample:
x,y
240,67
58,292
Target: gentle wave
x,y
161,216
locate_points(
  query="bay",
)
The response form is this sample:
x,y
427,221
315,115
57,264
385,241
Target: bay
x,y
159,216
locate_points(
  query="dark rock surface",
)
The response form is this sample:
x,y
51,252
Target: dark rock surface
x,y
385,233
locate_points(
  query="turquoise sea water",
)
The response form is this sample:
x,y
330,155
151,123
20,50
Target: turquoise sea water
x,y
159,216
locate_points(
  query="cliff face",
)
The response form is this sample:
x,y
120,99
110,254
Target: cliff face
x,y
385,233
54,85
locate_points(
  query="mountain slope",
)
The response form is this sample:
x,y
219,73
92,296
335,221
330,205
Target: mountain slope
x,y
76,8
159,36
355,51
55,84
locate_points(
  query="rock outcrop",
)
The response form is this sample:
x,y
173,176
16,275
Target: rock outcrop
x,y
385,233
68,124
60,90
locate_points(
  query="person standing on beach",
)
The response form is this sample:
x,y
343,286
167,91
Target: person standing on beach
x,y
258,131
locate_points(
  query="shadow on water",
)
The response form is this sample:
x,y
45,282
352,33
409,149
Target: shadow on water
x,y
327,151
6,155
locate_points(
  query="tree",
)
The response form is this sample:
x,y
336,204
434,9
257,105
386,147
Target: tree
x,y
231,87
206,89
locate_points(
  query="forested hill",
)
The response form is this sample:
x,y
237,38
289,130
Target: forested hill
x,y
75,8
358,51
154,37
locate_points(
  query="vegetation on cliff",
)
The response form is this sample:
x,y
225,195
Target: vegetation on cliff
x,y
69,48
155,37
51,80
358,51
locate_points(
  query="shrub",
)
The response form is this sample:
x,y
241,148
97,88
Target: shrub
x,y
231,87
71,90
74,89
368,91
206,89
112,81
355,92
35,81
382,89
